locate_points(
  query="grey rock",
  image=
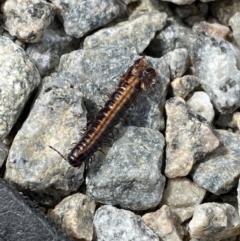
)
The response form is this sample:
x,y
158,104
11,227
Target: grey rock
x,y
55,120
27,20
200,104
219,172
234,22
189,138
180,2
22,221
224,10
81,17
184,85
125,226
3,153
214,222
130,173
182,196
97,74
125,33
172,37
75,216
47,52
163,223
216,64
19,77
128,1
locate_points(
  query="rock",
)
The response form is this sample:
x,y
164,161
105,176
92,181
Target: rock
x,y
75,216
19,78
125,225
20,221
47,52
200,104
180,2
130,173
219,172
125,33
81,17
55,120
3,153
224,10
163,224
182,195
173,36
184,85
234,22
213,222
189,138
27,20
220,78
98,73
211,29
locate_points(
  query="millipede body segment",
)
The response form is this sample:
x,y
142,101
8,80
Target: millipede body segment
x,y
138,77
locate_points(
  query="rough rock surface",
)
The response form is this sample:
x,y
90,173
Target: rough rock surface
x,y
214,222
234,22
189,138
182,195
130,173
220,78
162,222
27,20
21,221
200,104
219,172
75,216
3,153
125,225
19,77
80,17
125,33
55,120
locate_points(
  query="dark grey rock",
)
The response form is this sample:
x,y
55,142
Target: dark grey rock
x,y
130,173
172,37
21,222
27,20
81,17
219,172
189,138
55,120
125,225
47,52
216,63
18,78
125,33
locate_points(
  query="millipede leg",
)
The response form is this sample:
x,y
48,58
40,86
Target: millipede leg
x,y
58,153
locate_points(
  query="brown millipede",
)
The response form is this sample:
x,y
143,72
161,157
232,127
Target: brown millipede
x,y
138,77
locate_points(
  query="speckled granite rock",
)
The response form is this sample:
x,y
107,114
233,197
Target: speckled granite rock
x,y
27,20
55,120
130,173
18,78
214,222
81,17
125,225
125,33
234,22
98,71
47,52
219,78
200,104
173,36
219,172
184,85
3,153
189,138
162,222
75,216
22,222
182,195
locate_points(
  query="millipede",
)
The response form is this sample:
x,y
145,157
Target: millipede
x,y
137,78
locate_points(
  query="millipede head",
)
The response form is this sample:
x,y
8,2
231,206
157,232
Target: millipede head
x,y
147,78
